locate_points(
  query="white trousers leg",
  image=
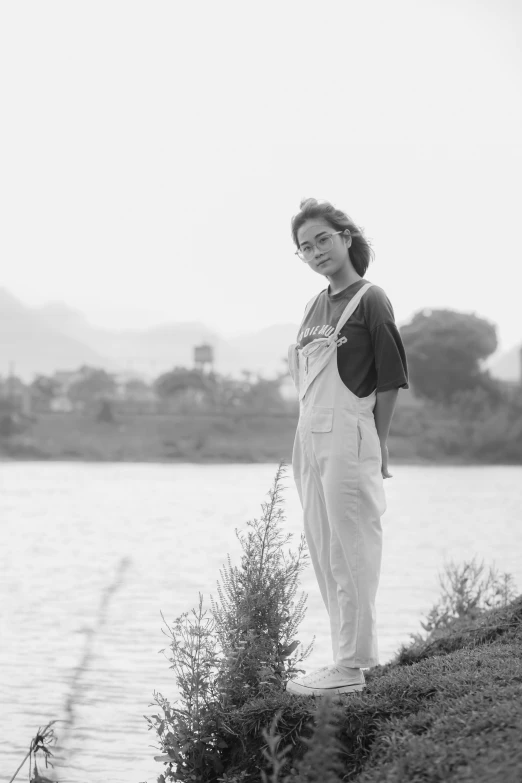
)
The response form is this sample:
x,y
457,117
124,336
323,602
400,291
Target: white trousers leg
x,y
342,502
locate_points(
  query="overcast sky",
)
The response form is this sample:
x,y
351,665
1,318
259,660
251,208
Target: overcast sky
x,y
153,154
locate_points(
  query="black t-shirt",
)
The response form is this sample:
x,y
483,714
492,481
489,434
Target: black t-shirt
x,y
373,356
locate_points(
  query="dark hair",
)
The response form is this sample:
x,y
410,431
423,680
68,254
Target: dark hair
x,y
361,253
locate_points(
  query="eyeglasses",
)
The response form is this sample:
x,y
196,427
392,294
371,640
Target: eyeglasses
x,y
323,243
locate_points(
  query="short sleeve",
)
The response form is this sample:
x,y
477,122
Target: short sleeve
x,y
390,357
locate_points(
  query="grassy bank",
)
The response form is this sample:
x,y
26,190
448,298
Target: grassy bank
x,y
441,711
237,437
184,437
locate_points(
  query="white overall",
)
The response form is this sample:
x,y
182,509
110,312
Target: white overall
x,y
336,464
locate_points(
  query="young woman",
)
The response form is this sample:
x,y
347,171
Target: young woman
x,y
348,364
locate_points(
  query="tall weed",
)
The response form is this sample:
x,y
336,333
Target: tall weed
x,y
244,648
257,616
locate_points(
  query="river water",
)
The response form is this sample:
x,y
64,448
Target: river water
x,y
91,554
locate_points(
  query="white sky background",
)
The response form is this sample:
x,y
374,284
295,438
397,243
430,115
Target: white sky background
x,y
153,153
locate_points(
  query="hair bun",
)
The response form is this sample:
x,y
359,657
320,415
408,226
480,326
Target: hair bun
x,y
308,202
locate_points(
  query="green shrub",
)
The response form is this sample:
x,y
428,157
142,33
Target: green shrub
x,y
243,650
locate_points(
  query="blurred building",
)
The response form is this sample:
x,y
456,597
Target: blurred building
x,y
204,357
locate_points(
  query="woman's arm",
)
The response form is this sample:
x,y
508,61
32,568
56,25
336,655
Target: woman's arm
x,y
383,412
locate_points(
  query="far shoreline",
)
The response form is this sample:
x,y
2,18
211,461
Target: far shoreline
x,y
410,461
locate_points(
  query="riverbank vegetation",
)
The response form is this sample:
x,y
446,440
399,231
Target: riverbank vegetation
x,y
446,708
469,430
454,411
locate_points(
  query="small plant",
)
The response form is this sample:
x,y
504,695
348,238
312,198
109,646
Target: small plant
x,y
275,757
322,760
184,730
243,650
466,596
40,743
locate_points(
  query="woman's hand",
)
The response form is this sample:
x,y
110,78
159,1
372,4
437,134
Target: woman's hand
x,y
384,454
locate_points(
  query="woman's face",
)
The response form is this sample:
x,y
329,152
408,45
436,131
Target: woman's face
x,y
325,262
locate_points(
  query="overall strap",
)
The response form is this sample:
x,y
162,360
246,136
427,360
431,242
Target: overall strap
x,y
349,309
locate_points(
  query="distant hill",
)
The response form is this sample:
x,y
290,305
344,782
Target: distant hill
x,y
30,345
57,337
155,350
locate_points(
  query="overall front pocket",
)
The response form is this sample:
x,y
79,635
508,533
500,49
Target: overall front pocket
x,y
369,445
322,419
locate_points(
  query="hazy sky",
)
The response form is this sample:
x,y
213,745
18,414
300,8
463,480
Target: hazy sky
x,y
152,154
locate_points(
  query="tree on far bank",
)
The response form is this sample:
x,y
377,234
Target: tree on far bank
x,y
444,349
264,394
93,385
179,380
45,386
136,387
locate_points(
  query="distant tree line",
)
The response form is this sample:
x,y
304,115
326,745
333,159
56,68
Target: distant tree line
x,y
89,386
464,410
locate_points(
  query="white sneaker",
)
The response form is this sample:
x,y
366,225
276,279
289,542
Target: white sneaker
x,y
328,679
